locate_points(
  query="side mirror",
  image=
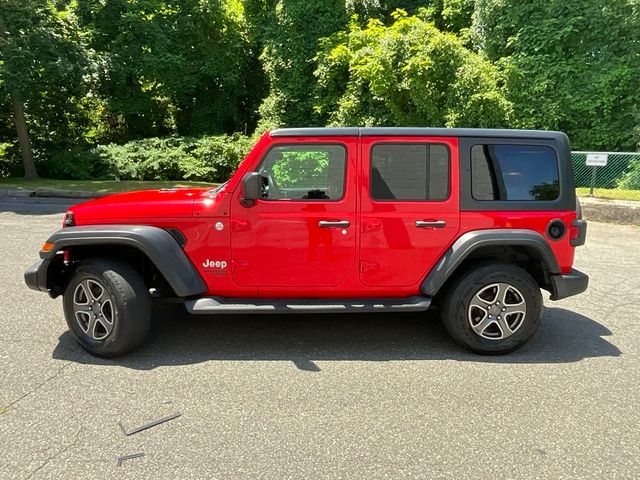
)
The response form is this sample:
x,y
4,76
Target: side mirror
x,y
251,188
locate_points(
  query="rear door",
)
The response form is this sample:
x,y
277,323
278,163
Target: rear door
x,y
302,233
410,213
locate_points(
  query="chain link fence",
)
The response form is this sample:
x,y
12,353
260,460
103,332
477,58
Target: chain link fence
x,y
612,175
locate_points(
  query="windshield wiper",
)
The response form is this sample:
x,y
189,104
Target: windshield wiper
x,y
218,188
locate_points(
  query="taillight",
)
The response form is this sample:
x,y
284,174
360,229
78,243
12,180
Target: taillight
x,y
69,220
575,233
578,230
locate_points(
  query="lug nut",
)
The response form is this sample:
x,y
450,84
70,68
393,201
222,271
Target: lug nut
x,y
503,309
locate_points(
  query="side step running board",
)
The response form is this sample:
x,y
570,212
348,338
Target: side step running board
x,y
227,306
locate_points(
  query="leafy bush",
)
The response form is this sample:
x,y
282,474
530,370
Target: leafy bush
x,y
8,163
631,179
211,159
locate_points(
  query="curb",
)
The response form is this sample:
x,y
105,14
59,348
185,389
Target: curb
x,y
58,193
610,211
14,192
44,192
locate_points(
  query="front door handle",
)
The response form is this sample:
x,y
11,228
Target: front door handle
x,y
336,224
431,224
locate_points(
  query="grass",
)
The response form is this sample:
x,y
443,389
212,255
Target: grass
x,y
610,193
100,186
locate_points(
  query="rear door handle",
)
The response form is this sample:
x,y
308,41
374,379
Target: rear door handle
x,y
336,224
431,224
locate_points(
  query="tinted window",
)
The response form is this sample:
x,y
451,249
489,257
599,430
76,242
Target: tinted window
x,y
304,172
414,171
514,172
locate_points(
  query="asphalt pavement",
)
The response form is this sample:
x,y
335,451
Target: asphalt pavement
x,y
322,397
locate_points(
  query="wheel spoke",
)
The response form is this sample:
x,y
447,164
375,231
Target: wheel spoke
x,y
478,303
106,311
487,295
509,309
81,307
504,327
482,326
81,295
91,325
501,294
102,322
95,290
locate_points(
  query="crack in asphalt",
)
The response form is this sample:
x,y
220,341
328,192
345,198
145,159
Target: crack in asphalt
x,y
43,383
58,453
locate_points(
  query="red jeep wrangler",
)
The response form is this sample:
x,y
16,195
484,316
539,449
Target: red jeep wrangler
x,y
335,220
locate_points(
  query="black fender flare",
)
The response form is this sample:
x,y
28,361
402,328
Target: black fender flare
x,y
471,241
162,249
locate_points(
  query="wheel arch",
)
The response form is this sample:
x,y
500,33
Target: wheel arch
x,y
525,248
153,246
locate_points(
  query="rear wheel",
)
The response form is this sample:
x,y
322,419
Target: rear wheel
x,y
106,305
493,308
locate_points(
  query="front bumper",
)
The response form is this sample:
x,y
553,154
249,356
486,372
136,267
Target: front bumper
x,y
36,275
564,286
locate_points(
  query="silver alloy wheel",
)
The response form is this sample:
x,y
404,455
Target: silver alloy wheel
x,y
497,311
93,309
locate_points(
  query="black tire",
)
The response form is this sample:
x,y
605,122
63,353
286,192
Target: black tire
x,y
459,317
126,303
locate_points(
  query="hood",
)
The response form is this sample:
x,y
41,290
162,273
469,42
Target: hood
x,y
165,203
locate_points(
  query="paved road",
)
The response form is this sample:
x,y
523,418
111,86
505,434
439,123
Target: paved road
x,y
324,396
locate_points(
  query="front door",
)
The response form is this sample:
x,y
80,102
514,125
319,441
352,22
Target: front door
x,y
409,208
302,233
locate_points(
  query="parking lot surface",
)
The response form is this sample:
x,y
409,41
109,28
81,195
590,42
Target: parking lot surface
x,y
312,396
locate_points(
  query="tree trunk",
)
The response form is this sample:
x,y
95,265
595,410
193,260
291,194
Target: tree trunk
x,y
21,126
30,172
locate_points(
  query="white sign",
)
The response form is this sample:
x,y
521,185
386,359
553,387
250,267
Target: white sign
x,y
597,159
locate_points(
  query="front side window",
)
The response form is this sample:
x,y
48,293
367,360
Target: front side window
x,y
409,172
304,172
514,172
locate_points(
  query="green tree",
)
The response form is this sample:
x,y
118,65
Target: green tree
x,y
409,73
572,65
187,67
290,37
44,72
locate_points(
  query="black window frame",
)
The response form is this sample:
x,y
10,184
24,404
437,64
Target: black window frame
x,y
314,144
566,200
396,200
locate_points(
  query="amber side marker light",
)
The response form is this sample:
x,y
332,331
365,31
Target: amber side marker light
x,y
47,247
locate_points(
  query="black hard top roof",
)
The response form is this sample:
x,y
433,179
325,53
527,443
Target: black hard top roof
x,y
414,131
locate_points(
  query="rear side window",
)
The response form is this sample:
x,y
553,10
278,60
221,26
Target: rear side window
x,y
409,172
514,172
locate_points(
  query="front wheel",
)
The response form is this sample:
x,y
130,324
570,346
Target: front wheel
x,y
493,309
107,308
